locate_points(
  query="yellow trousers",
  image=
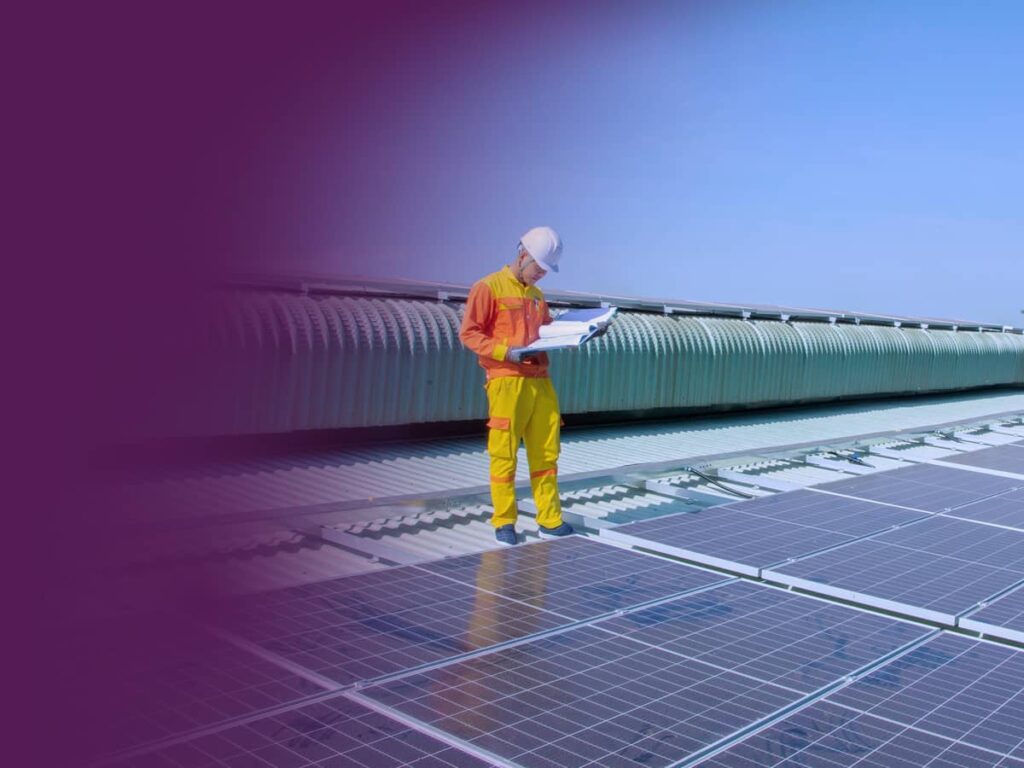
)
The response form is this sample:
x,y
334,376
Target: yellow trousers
x,y
524,409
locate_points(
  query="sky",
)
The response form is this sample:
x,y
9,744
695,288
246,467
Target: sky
x,y
860,156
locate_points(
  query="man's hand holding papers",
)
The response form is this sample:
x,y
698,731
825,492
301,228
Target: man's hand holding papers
x,y
572,328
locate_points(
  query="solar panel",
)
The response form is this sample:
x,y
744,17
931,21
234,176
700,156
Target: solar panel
x,y
777,636
829,513
824,734
726,538
1006,458
748,536
653,686
336,733
924,486
1007,510
970,690
584,697
577,577
935,569
172,678
952,701
967,541
362,627
1003,617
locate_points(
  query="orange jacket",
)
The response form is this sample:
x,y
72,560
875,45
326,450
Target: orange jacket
x,y
502,312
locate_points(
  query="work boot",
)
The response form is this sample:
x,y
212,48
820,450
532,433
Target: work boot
x,y
506,534
561,530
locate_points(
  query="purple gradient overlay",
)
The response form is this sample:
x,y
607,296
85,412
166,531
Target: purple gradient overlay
x,y
161,148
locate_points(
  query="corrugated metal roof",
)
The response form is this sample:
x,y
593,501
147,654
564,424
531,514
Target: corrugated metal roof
x,y
249,556
418,502
778,473
327,285
357,477
290,362
413,536
984,436
417,532
904,450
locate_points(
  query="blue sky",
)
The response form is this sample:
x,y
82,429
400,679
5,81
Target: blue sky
x,y
865,156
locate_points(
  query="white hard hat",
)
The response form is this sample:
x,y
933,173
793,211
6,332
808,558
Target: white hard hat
x,y
544,245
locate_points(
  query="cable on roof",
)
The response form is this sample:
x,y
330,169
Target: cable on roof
x,y
715,482
850,456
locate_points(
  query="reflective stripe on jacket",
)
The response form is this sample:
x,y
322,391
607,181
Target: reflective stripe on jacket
x,y
502,313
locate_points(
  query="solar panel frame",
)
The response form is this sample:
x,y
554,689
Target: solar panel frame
x,y
746,543
601,694
368,626
1003,458
918,570
927,487
1003,617
1006,510
825,734
750,536
971,689
963,539
372,625
738,625
173,678
623,701
331,733
854,517
950,701
577,577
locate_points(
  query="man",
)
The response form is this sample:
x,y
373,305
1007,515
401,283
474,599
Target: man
x,y
504,313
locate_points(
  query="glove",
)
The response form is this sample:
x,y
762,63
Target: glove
x,y
521,355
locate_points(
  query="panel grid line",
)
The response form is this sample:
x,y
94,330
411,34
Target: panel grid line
x,y
657,565
745,742
927,486
993,752
952,671
436,733
334,687
440,664
720,560
899,744
939,568
643,701
931,732
767,619
643,680
1006,510
297,669
208,730
1003,616
854,497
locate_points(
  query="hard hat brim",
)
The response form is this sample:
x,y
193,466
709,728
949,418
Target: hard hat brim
x,y
544,265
